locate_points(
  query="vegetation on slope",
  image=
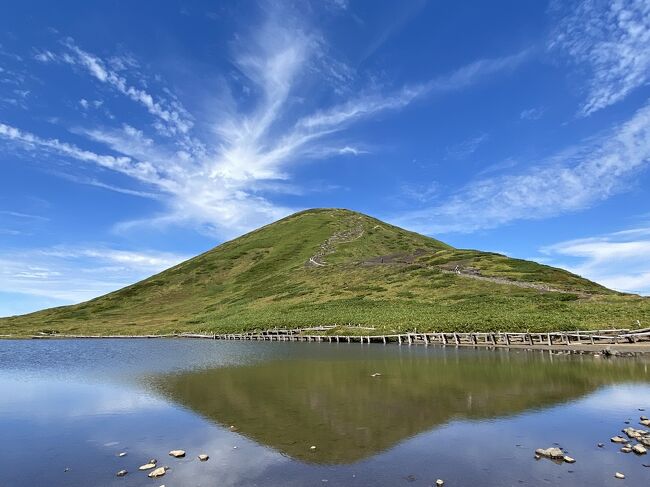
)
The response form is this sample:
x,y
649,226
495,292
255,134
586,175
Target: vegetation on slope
x,y
361,271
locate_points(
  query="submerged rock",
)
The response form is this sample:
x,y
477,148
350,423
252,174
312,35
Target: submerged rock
x,y
619,475
440,482
159,472
313,447
618,439
626,449
569,459
177,453
203,457
121,454
147,466
121,473
376,374
639,449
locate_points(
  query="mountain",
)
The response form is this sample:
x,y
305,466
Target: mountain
x,y
334,266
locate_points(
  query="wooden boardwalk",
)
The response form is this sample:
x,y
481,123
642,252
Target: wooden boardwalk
x,y
475,339
490,339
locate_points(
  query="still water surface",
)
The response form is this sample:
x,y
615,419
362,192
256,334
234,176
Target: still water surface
x,y
470,417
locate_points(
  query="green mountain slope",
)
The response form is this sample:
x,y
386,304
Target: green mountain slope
x,y
332,266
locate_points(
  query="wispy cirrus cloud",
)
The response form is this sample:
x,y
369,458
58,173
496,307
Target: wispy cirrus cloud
x,y
467,147
618,260
571,180
214,172
611,40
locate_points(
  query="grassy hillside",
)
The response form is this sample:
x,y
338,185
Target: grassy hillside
x,y
336,266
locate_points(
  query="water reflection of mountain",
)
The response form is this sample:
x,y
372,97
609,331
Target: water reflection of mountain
x,y
349,415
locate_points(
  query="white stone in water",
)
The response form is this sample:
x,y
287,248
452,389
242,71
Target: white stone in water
x,y
121,454
203,457
159,472
619,475
618,439
639,449
376,374
626,449
121,473
177,453
569,459
440,482
552,452
313,447
147,466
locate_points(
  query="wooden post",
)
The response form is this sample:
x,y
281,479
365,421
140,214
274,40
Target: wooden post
x,y
507,339
399,339
548,339
409,338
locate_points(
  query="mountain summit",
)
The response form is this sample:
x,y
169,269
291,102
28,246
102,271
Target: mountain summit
x,y
335,266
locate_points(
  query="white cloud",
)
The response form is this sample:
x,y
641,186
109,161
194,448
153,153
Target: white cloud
x,y
467,147
531,113
612,40
619,260
74,274
172,117
213,183
571,180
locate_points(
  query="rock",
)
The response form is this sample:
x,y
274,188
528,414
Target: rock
x,y
600,445
619,475
645,422
159,472
634,433
639,449
153,460
618,439
537,457
552,452
376,374
177,453
147,466
440,482
203,457
233,427
313,447
121,454
626,449
645,440
121,473
569,459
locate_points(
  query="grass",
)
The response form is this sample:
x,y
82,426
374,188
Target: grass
x,y
388,278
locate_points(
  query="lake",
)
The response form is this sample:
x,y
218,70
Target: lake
x,y
470,417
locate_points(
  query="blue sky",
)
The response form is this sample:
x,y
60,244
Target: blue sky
x,y
133,137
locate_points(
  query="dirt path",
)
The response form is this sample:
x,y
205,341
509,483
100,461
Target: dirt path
x,y
510,282
329,246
